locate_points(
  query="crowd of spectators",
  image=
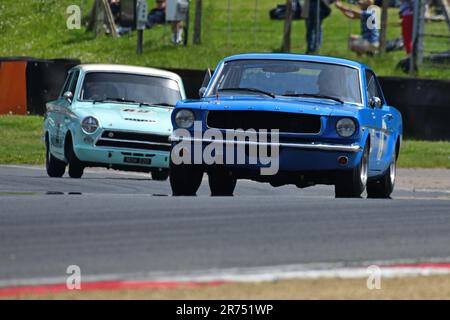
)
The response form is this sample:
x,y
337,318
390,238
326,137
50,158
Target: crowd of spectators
x,y
368,41
164,11
313,11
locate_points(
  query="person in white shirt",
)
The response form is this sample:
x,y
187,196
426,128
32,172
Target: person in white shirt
x,y
176,12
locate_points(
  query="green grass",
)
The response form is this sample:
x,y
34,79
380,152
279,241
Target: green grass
x,y
21,140
38,28
425,154
22,144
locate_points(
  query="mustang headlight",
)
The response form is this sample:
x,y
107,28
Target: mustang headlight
x,y
184,119
346,127
89,125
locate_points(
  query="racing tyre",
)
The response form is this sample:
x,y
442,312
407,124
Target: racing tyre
x,y
160,174
55,167
185,179
351,184
76,167
221,183
383,187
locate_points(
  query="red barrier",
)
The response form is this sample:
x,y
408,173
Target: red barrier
x,y
13,87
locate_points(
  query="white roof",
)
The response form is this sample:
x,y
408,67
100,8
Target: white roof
x,y
129,69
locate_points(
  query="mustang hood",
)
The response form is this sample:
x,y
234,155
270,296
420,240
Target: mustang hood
x,y
317,107
130,117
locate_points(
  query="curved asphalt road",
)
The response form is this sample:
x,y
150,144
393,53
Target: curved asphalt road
x,y
120,223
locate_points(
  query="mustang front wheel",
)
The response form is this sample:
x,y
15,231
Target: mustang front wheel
x,y
383,187
221,183
185,179
55,168
351,184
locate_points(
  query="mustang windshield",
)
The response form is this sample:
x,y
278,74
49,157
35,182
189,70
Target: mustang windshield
x,y
289,78
123,87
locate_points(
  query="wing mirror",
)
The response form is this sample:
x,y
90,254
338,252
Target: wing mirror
x,y
68,96
375,102
202,92
205,83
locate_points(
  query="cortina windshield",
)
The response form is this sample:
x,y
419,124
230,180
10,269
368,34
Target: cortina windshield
x,y
107,86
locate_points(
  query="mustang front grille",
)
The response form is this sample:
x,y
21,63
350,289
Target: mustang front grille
x,y
283,121
134,140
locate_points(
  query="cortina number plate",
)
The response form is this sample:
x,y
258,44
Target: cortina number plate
x,y
137,160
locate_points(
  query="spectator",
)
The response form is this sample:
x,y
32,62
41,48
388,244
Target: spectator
x,y
314,27
406,14
369,40
176,13
115,10
157,15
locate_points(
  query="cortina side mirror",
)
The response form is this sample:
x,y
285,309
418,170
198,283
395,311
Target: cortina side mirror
x,y
68,96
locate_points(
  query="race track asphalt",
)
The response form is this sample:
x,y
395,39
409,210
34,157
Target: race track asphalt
x,y
124,223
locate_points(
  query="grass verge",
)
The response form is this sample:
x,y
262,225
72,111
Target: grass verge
x,y
432,287
22,144
21,140
425,154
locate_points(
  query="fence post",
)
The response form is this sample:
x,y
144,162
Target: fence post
x,y
418,31
286,45
198,22
101,15
383,26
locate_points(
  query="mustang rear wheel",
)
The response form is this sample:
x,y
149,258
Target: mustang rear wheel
x,y
185,179
55,168
383,187
76,167
160,174
351,184
221,183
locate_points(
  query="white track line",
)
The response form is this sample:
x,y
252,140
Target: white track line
x,y
389,269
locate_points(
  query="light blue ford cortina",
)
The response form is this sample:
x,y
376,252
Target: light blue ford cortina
x,y
112,116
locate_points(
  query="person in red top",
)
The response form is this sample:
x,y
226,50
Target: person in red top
x,y
407,14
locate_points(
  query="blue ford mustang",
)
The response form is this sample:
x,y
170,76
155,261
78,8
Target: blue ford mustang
x,y
326,119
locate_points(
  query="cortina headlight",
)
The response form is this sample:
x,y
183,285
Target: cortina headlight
x,y
346,127
89,125
184,119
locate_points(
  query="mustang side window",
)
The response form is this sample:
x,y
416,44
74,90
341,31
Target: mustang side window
x,y
372,87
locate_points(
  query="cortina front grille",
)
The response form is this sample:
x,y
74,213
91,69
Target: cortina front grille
x,y
134,140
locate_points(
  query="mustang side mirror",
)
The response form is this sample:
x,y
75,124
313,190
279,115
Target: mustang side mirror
x,y
205,83
375,102
68,96
201,92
